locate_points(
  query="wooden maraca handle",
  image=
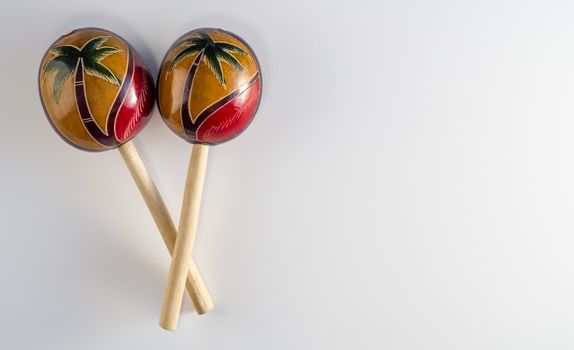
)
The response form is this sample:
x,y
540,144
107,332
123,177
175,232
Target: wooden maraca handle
x,y
173,294
196,288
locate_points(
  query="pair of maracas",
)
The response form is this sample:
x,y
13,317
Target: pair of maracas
x,y
98,95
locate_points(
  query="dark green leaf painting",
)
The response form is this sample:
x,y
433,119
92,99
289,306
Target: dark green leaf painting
x,y
67,58
212,51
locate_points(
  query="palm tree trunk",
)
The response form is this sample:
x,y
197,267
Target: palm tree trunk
x,y
82,103
188,125
92,127
116,107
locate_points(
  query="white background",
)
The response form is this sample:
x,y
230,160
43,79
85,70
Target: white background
x,y
408,183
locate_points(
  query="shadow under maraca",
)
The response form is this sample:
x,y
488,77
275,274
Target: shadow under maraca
x,y
93,276
119,270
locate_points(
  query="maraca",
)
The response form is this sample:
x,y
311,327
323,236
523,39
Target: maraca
x,y
209,89
98,95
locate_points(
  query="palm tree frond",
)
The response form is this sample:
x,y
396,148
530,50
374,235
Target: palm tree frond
x,y
231,48
194,40
211,58
66,50
61,76
225,56
190,50
64,67
60,63
98,70
101,53
94,44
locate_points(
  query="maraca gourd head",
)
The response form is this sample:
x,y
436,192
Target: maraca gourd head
x,y
95,90
209,86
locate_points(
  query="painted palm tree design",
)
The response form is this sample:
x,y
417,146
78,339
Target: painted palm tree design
x,y
213,53
69,59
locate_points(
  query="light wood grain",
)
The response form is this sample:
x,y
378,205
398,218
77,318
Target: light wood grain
x,y
196,288
173,294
